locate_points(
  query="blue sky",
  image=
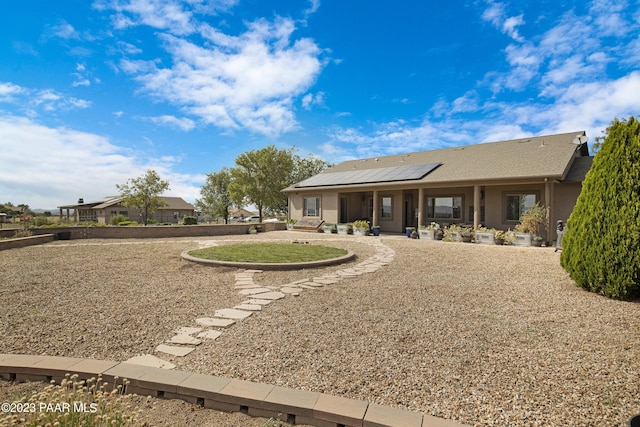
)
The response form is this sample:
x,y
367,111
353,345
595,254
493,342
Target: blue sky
x,y
93,93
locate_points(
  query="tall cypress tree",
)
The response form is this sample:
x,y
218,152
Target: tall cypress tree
x,y
601,248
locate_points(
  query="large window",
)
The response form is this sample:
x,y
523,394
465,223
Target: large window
x,y
311,206
517,204
386,207
445,207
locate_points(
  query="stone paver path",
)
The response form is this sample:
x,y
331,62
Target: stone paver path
x,y
253,298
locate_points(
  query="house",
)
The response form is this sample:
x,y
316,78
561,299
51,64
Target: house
x,y
102,210
488,184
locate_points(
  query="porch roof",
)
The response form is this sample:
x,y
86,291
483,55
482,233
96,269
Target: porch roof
x,y
549,156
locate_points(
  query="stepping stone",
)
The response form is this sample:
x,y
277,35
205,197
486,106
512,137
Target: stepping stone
x,y
217,323
175,351
312,284
292,291
254,286
250,307
231,313
184,339
187,331
210,334
309,287
254,291
297,282
257,301
325,281
150,360
252,271
271,295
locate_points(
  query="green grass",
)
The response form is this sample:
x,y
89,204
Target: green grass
x,y
269,252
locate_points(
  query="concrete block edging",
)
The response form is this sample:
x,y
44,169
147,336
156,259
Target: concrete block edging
x,y
256,399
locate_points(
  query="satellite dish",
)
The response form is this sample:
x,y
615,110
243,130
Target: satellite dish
x,y
580,139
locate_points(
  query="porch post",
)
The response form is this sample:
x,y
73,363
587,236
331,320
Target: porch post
x,y
548,200
420,207
376,214
476,206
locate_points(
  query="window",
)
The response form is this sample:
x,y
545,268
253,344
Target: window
x,y
311,206
386,207
517,204
445,207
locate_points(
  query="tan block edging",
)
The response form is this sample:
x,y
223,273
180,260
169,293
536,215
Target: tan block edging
x,y
217,392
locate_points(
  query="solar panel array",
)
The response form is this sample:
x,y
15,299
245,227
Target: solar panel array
x,y
368,176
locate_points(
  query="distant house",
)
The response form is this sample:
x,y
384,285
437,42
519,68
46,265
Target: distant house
x,y
489,184
102,210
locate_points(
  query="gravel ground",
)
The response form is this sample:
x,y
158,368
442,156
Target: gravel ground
x,y
487,335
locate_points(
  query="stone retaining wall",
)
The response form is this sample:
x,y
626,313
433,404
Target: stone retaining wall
x,y
26,241
152,231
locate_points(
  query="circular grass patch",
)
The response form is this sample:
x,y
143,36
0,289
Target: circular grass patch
x,y
269,253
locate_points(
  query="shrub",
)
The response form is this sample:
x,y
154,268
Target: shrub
x,y
41,221
533,219
601,247
117,219
189,220
127,223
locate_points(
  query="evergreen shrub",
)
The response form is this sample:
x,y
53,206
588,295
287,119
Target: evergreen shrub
x,y
190,220
601,247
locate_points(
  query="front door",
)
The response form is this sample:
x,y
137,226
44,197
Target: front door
x,y
409,211
344,210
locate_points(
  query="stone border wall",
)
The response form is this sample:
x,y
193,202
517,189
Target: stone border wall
x,y
26,241
152,231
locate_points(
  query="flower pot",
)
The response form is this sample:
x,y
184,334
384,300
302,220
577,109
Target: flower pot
x,y
409,230
343,229
466,238
375,231
329,229
289,227
427,234
523,239
485,238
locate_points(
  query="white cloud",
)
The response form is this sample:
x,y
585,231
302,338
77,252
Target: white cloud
x,y
246,81
309,100
496,14
183,123
71,164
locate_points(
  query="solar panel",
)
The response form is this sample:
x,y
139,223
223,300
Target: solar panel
x,y
368,176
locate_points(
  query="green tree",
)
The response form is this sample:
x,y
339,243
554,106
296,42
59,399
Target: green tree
x,y
143,193
215,198
601,248
259,176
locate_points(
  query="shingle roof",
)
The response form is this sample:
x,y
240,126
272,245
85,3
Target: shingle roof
x,y
176,203
547,156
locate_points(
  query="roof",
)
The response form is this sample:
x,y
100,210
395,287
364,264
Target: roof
x,y
173,203
549,156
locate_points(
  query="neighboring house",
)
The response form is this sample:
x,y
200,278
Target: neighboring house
x,y
104,209
489,184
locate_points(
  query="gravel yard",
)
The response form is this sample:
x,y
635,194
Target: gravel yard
x,y
487,335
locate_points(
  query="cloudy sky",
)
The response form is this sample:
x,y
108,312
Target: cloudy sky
x,y
93,93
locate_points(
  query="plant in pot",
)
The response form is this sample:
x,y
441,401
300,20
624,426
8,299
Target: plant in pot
x,y
290,223
344,228
409,230
328,228
531,221
486,235
536,241
361,227
451,233
430,231
466,235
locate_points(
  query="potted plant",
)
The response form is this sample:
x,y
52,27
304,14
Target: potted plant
x,y
429,232
414,235
290,223
328,228
452,233
344,228
361,227
499,237
253,229
466,235
486,236
536,241
530,223
375,230
409,230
